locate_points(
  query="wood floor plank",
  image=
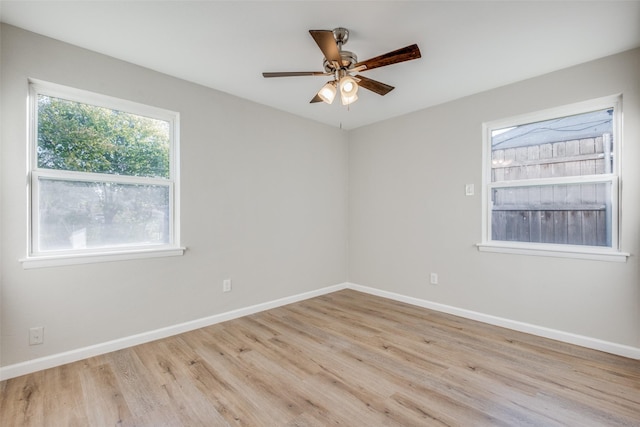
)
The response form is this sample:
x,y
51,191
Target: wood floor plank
x,y
345,358
63,403
215,376
146,400
102,397
22,401
168,367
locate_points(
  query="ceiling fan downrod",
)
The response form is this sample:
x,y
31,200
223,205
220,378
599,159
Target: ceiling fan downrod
x,y
341,35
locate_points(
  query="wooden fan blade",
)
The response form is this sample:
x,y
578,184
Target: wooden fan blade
x,y
315,99
404,54
374,85
295,74
327,44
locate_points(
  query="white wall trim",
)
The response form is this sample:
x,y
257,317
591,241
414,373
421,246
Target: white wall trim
x,y
567,337
23,368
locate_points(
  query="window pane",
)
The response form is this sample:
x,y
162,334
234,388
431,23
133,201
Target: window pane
x,y
85,138
567,146
574,214
84,215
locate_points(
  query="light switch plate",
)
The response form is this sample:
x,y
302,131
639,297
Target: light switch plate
x,y
469,189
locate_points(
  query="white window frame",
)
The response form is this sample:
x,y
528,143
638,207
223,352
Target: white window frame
x,y
612,253
36,258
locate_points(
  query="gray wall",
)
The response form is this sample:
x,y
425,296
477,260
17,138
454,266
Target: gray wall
x,y
264,199
409,216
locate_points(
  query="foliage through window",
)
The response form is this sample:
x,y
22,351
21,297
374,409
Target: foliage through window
x,y
103,173
551,180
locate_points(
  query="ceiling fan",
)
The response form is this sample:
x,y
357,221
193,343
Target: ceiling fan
x,y
341,64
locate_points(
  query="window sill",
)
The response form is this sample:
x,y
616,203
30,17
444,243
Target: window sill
x,y
566,251
60,260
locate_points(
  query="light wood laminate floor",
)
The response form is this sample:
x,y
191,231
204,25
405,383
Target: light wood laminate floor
x,y
347,359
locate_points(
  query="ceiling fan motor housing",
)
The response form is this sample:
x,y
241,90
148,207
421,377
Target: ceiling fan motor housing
x,y
341,35
349,59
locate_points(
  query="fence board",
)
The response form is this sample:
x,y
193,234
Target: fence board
x,y
560,227
547,226
589,228
524,226
574,227
535,232
602,228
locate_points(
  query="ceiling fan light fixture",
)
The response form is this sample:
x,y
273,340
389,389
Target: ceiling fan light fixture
x,y
350,99
348,86
341,63
328,92
348,90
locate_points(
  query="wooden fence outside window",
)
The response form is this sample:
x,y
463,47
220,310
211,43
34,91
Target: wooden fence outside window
x,y
577,214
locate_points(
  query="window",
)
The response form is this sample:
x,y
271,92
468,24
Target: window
x,y
103,177
551,182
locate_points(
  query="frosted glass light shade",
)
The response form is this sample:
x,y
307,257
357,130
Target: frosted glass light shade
x,y
348,90
348,86
346,100
328,92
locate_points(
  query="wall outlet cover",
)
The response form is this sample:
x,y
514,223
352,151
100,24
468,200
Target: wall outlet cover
x,y
36,335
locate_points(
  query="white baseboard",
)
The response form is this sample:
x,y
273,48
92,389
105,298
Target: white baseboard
x,y
23,368
567,337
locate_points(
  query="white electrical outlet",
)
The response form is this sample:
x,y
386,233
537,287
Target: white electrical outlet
x,y
434,278
226,285
36,335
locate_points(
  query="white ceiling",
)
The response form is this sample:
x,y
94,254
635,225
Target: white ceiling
x,y
467,46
